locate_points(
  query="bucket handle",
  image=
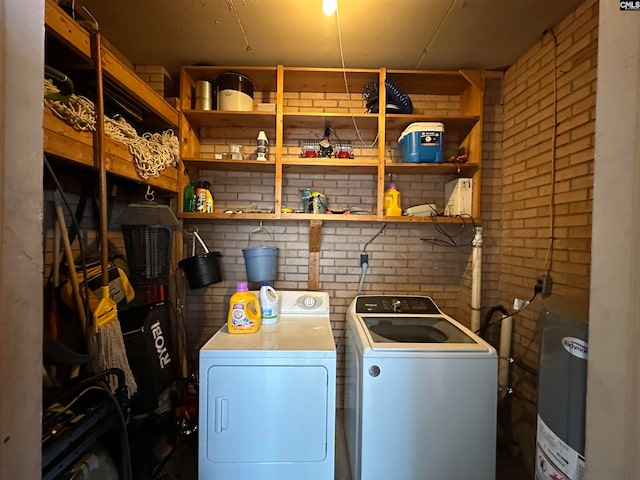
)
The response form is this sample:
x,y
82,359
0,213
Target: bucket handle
x,y
193,245
260,228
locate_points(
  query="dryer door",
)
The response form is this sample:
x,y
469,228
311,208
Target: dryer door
x,y
266,413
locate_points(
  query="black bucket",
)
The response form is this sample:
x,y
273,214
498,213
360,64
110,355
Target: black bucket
x,y
201,270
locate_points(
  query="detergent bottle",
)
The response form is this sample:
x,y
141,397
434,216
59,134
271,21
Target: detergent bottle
x,y
269,304
244,311
204,198
392,206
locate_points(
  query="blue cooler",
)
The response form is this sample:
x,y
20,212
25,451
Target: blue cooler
x,y
422,142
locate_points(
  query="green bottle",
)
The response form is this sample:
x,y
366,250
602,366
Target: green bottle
x,y
189,197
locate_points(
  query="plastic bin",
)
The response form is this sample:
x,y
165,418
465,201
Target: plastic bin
x,y
422,142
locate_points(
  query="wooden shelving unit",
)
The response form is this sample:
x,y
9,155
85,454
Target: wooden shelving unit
x,y
70,43
288,86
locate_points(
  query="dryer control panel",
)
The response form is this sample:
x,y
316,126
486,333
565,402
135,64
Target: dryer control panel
x,y
396,304
304,303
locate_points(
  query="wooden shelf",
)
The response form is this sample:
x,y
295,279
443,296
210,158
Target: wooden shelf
x,y
263,78
315,120
329,217
430,82
231,120
72,42
328,166
227,216
453,98
78,40
325,217
230,165
438,219
61,140
328,80
454,127
430,168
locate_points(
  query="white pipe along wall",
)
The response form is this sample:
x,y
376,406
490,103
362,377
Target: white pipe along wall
x,y
476,279
506,325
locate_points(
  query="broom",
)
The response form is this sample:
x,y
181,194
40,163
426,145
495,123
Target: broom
x,y
108,344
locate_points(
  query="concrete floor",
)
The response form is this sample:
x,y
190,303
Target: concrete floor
x,y
182,464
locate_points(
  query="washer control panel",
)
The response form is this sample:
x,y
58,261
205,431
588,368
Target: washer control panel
x,y
396,304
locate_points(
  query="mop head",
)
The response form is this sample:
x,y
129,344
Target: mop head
x,y
110,352
108,345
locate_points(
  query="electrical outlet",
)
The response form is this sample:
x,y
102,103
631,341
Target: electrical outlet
x,y
543,285
364,258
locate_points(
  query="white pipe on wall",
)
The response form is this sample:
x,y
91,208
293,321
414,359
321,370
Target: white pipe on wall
x,y
476,279
506,325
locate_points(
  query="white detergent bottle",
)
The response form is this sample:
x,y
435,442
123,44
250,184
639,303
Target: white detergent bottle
x,y
269,304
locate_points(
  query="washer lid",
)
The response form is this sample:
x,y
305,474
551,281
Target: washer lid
x,y
419,332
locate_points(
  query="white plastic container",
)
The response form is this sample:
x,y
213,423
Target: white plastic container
x,y
235,92
269,304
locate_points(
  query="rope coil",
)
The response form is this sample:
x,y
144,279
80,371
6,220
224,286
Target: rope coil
x,y
152,152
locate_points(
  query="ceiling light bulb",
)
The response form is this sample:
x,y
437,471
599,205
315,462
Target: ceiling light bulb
x,y
329,7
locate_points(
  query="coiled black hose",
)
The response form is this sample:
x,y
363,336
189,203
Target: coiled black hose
x,y
395,96
486,321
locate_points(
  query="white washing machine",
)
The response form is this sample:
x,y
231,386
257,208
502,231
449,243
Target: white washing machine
x,y
267,399
420,393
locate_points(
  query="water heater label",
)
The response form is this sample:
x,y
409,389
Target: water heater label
x,y
576,347
556,460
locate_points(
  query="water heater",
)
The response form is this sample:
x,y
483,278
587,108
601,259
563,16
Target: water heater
x,y
562,388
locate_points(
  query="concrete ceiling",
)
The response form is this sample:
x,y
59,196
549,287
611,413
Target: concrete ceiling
x,y
398,34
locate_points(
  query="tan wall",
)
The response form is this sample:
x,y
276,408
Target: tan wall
x,y
613,393
527,200
21,61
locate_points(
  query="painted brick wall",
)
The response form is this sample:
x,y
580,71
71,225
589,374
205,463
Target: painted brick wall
x,y
400,261
528,204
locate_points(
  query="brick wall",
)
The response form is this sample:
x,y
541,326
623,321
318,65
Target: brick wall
x,y
531,197
517,133
158,78
400,261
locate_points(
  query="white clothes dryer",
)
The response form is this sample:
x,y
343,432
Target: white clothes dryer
x,y
420,393
267,399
